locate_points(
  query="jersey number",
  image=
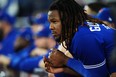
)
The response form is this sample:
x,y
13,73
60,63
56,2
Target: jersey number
x,y
94,27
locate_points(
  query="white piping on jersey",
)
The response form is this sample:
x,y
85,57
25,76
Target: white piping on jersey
x,y
95,66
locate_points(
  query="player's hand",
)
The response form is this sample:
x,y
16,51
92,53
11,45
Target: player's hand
x,y
47,64
50,75
53,70
58,58
49,68
4,60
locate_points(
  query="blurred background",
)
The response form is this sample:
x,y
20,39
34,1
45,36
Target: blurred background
x,y
25,36
24,8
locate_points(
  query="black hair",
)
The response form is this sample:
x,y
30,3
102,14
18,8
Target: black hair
x,y
71,15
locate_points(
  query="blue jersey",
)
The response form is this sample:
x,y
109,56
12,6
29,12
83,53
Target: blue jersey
x,y
30,63
91,47
17,58
7,45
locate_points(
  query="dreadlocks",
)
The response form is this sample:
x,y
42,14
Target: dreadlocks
x,y
72,15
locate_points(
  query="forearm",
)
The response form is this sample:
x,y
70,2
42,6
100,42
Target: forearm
x,y
5,60
76,66
70,71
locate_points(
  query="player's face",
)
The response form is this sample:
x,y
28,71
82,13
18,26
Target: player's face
x,y
55,23
36,28
41,42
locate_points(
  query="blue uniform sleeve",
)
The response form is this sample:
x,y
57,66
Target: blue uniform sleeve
x,y
29,64
63,75
17,58
90,52
77,66
14,61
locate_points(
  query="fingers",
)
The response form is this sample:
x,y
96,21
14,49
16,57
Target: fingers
x,y
53,50
45,59
47,67
50,75
47,64
56,70
52,54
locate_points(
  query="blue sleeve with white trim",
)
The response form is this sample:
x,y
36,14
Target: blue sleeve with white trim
x,y
88,49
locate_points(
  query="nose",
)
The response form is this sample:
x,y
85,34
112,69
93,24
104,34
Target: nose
x,y
52,27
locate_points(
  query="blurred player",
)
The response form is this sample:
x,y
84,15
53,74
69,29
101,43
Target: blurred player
x,y
22,45
93,8
24,39
43,42
7,33
106,16
38,21
89,41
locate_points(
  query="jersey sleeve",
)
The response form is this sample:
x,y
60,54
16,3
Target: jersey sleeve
x,y
17,58
14,61
90,53
29,64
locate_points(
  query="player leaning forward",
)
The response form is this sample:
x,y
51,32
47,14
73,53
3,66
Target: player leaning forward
x,y
87,39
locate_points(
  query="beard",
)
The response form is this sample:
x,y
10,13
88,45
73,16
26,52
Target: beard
x,y
1,35
57,38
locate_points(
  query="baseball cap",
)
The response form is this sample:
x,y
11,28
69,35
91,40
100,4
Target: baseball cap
x,y
40,18
105,15
6,17
26,33
46,32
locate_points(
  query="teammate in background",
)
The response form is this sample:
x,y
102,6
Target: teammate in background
x,y
43,42
25,50
106,16
7,34
22,46
89,41
38,21
24,39
93,8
